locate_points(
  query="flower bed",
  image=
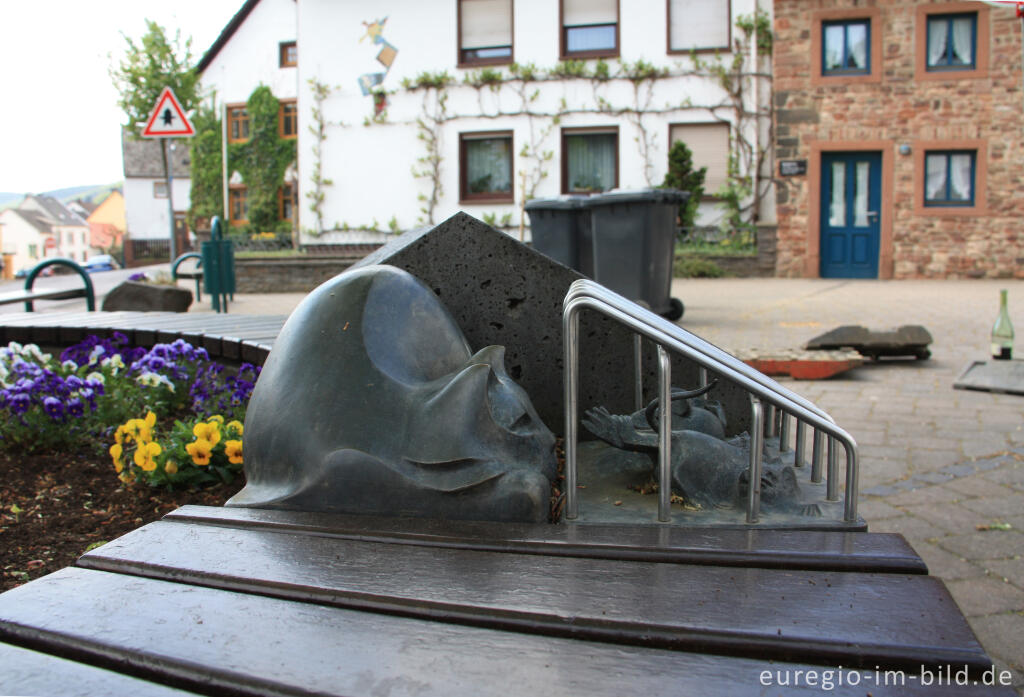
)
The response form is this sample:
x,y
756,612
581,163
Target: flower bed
x,y
108,437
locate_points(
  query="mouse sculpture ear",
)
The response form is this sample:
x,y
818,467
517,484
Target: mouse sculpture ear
x,y
493,356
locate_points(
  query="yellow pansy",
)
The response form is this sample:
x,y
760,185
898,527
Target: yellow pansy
x,y
171,467
235,427
200,450
218,418
116,451
145,454
233,449
119,434
209,431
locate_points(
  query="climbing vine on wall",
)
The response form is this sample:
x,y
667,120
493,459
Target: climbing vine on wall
x,y
263,160
316,195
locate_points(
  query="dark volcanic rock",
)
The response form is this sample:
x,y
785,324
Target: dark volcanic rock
x,y
147,297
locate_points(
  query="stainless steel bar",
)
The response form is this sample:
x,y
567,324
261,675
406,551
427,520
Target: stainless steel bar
x,y
852,482
832,476
638,371
769,417
571,332
664,435
801,446
817,443
658,329
702,376
756,448
783,431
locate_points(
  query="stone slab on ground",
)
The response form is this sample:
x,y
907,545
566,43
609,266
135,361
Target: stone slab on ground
x,y
993,376
908,340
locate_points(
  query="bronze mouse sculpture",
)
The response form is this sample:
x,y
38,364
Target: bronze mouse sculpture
x,y
372,402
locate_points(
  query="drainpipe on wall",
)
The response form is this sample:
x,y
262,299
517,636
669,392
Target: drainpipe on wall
x,y
757,115
224,156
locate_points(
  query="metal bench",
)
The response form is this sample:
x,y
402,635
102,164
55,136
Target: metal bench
x,y
196,273
29,295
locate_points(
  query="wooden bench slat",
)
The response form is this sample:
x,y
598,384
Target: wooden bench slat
x,y
848,618
25,672
218,641
827,551
18,296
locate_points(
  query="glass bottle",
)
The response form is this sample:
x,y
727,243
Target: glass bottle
x,y
1002,332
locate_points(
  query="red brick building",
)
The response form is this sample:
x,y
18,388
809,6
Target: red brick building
x,y
899,139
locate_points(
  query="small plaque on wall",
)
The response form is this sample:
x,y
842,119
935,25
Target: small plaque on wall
x,y
792,168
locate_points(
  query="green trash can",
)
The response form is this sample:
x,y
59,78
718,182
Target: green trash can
x,y
633,234
560,228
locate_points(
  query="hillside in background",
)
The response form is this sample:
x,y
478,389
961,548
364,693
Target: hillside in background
x,y
93,192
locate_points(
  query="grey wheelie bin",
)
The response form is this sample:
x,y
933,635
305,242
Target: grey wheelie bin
x,y
634,234
561,230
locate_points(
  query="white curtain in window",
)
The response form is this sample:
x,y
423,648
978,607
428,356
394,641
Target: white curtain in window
x,y
486,23
856,46
935,177
936,41
860,195
960,177
837,205
591,162
834,40
709,143
698,24
963,40
487,165
580,12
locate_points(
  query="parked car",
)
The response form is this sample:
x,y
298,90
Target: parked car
x,y
101,262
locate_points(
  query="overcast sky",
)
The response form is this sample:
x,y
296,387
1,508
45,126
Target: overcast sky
x,y
59,121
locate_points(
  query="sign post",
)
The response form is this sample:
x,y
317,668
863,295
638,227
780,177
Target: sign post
x,y
168,120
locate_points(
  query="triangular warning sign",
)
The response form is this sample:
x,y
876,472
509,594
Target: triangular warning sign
x,y
168,118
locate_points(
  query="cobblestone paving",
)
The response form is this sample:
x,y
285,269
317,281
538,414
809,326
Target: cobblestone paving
x,y
943,467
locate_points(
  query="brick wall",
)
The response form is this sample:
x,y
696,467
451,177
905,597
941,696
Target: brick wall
x,y
900,104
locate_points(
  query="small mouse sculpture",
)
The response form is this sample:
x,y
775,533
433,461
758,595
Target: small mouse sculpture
x,y
707,470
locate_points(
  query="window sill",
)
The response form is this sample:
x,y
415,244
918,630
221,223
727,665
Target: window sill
x,y
479,199
724,50
586,55
466,65
950,75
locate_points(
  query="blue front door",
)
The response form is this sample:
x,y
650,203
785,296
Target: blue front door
x,y
851,200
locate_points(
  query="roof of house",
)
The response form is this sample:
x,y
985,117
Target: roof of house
x,y
33,218
87,206
225,35
54,210
142,157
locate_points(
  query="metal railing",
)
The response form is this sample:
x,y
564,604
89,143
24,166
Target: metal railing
x,y
781,402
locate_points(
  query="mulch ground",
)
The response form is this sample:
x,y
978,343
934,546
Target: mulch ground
x,y
54,508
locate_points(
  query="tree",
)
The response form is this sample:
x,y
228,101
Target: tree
x,y
681,175
207,182
149,65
